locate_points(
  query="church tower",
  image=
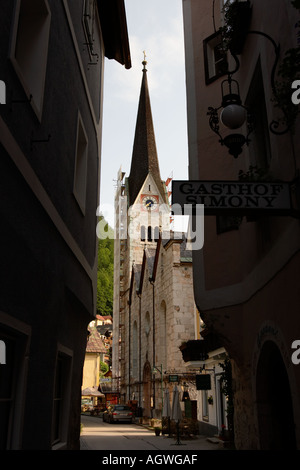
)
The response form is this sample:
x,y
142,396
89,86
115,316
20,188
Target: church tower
x,y
148,206
142,213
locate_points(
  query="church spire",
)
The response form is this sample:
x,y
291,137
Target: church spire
x,y
144,156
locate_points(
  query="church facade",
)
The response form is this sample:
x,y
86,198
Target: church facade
x,y
154,308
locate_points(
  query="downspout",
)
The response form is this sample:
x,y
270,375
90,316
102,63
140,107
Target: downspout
x,y
140,353
153,338
129,350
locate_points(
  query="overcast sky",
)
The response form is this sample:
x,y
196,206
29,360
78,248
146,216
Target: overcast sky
x,y
155,26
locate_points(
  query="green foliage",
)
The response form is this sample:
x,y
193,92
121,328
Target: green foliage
x,y
254,173
226,379
230,13
103,368
227,389
105,278
236,22
288,71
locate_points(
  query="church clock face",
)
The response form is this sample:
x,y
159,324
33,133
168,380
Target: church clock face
x,y
149,203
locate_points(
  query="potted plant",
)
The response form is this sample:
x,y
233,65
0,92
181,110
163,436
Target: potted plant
x,y
255,173
210,400
157,430
223,433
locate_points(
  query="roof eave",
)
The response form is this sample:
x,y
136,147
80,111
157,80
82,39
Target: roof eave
x,y
113,21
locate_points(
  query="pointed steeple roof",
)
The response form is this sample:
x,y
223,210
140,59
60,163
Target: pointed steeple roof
x,y
144,156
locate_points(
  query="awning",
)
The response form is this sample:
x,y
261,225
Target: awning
x,y
91,392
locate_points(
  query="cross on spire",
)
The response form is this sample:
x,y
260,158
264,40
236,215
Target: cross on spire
x,y
144,61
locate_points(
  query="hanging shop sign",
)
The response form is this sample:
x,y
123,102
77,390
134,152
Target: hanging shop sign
x,y
173,378
234,197
203,382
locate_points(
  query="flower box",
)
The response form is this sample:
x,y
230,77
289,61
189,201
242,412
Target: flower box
x,y
193,350
237,21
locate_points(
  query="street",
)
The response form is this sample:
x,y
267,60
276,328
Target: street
x,y
97,435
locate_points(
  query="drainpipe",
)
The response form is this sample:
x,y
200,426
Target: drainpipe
x,y
129,349
153,338
140,352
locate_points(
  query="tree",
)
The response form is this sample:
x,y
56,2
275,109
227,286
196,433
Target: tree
x,y
105,275
103,368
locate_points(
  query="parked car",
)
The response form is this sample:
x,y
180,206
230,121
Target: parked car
x,y
86,405
118,413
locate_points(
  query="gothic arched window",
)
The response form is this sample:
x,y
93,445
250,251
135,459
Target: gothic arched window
x,y
135,350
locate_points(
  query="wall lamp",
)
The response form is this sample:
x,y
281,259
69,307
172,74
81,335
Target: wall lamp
x,y
233,114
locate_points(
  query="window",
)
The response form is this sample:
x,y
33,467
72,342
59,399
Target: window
x,y
204,395
152,233
29,48
88,19
221,404
89,24
81,165
156,234
147,323
57,401
135,350
61,399
162,335
12,380
226,223
215,59
7,390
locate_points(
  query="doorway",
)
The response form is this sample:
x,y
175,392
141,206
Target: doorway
x,y
274,401
147,390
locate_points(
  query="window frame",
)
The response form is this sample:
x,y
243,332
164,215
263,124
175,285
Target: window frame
x,y
60,417
36,99
81,168
209,58
18,333
205,412
89,18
